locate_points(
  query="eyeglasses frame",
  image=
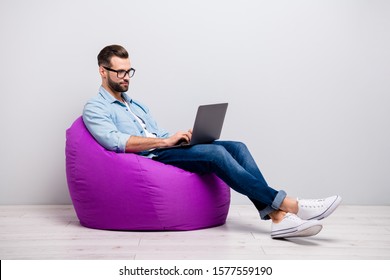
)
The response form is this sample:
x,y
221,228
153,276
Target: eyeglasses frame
x,y
128,72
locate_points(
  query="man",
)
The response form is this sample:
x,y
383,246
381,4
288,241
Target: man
x,y
124,125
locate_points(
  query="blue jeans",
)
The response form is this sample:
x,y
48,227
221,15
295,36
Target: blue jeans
x,y
232,162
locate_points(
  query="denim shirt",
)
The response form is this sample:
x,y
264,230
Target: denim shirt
x,y
111,124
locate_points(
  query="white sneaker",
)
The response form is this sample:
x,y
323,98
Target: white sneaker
x,y
317,209
293,226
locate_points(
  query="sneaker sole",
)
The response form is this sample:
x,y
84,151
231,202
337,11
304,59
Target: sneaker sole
x,y
298,232
330,209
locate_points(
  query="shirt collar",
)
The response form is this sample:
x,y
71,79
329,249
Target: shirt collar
x,y
106,95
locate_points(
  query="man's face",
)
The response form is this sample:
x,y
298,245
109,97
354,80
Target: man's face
x,y
113,82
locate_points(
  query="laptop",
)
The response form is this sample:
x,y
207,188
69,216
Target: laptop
x,y
208,125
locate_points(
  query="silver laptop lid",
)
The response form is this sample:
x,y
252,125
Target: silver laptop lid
x,y
208,123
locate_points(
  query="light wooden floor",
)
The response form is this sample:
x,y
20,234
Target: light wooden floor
x,y
53,232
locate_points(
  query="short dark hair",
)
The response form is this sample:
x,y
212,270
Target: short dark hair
x,y
105,55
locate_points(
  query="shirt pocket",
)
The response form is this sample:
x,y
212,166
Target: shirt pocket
x,y
129,127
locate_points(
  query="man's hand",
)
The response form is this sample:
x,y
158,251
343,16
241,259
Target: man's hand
x,y
137,144
179,137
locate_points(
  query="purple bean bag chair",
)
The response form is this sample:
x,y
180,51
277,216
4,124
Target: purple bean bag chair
x,y
128,192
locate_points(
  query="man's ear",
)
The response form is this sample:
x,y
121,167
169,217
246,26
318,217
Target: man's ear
x,y
102,71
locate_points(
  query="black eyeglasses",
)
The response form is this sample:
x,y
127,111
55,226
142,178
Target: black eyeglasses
x,y
122,73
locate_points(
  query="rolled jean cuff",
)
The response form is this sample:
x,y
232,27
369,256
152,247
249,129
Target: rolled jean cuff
x,y
275,205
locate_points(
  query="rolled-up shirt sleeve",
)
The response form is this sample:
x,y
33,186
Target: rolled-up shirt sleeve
x,y
98,120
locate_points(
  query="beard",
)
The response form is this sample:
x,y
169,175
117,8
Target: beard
x,y
118,87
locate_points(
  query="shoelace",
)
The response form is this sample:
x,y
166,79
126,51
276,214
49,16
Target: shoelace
x,y
291,216
311,203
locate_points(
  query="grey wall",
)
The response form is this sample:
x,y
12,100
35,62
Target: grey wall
x,y
307,82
